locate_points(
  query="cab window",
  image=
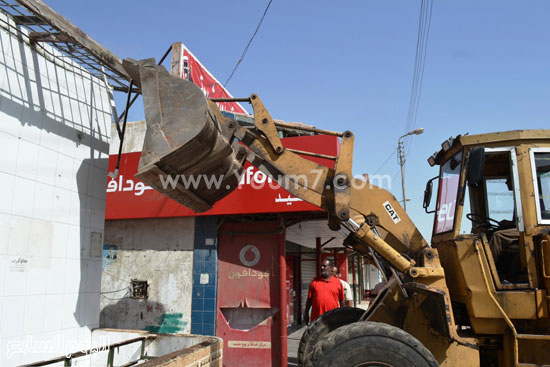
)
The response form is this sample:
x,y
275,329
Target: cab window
x,y
540,160
492,205
500,198
492,209
449,180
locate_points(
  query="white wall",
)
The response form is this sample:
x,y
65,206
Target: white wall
x,y
54,129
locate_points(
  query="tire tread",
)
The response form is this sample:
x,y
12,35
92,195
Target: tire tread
x,y
371,332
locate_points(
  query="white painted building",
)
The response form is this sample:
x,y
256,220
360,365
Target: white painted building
x,y
54,143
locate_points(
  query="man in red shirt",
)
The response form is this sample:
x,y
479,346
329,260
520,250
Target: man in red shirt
x,y
325,293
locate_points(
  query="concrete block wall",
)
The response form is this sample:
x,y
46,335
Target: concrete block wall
x,y
159,251
54,139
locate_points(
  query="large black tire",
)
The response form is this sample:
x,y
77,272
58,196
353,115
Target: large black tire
x,y
324,324
366,343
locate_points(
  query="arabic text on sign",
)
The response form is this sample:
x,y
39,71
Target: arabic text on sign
x,y
288,200
249,344
127,185
248,273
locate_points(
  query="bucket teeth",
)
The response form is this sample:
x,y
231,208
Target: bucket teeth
x,y
185,154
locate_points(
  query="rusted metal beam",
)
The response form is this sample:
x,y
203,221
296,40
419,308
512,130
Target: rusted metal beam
x,y
125,89
284,124
327,241
70,30
130,363
310,129
28,20
318,155
175,64
110,347
230,99
49,37
130,103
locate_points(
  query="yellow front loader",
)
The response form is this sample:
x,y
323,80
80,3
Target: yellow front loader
x,y
477,296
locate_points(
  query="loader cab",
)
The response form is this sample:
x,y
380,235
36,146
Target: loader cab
x,y
492,234
491,208
479,199
493,200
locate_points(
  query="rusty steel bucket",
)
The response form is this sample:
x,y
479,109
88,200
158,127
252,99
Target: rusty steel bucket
x,y
185,155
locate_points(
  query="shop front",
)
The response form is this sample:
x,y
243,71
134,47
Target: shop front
x,y
239,271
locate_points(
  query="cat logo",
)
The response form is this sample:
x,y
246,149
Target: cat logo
x,y
391,212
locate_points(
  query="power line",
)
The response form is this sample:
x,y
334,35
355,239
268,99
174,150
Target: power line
x,y
424,25
418,64
412,98
248,45
385,162
394,176
425,49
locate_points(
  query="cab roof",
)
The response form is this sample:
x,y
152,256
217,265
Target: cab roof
x,y
496,138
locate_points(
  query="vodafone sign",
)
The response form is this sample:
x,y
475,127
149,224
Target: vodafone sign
x,y
128,198
191,69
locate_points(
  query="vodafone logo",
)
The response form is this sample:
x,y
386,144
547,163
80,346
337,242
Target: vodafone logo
x,y
249,255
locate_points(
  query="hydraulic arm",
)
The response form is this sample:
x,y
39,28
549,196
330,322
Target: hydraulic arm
x,y
187,134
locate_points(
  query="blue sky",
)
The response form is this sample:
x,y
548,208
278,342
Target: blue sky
x,y
348,65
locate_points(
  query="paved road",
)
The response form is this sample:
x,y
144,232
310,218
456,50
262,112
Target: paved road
x,y
293,342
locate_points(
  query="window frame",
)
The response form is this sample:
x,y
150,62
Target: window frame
x,y
460,174
515,177
532,152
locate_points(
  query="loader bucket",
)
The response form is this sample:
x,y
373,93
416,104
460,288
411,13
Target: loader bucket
x,y
185,154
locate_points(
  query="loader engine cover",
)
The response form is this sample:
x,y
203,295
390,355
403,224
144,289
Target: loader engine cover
x,y
185,155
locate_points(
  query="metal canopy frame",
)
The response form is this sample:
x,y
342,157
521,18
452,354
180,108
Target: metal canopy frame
x,y
44,25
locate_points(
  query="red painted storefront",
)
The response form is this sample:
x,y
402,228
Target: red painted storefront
x,y
247,291
255,288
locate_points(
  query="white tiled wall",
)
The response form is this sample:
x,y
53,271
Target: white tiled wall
x,y
54,127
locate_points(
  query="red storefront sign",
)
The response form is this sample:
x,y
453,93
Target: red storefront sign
x,y
127,197
194,71
251,315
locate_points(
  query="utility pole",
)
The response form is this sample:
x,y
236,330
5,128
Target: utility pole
x,y
401,156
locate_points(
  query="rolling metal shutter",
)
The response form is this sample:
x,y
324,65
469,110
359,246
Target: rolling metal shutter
x,y
309,271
